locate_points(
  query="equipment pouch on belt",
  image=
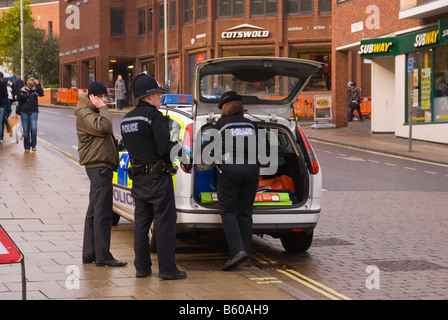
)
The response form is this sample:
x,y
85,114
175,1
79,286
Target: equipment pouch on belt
x,y
153,170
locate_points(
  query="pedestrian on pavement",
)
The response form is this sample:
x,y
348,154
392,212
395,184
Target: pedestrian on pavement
x,y
355,100
28,109
237,181
98,153
3,97
349,95
7,108
146,136
18,85
120,92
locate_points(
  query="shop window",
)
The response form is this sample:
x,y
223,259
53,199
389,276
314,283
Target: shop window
x,y
117,22
299,6
441,84
419,86
228,8
141,22
321,81
263,7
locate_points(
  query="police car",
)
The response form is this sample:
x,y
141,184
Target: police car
x,y
288,202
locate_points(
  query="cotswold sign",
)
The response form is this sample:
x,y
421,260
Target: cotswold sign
x,y
257,32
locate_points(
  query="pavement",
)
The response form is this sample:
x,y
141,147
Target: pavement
x,y
43,200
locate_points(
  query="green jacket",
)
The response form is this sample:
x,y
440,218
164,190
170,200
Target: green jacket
x,y
97,145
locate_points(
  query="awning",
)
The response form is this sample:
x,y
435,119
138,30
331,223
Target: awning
x,y
414,41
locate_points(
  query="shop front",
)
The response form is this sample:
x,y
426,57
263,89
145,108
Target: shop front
x,y
409,83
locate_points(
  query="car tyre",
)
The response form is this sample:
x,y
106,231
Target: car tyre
x,y
297,242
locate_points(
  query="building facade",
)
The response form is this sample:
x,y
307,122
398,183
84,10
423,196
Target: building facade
x,y
112,38
405,46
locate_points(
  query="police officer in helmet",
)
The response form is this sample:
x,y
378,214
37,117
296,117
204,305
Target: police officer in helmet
x,y
146,136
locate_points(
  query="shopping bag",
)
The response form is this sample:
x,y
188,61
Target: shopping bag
x,y
8,123
16,133
19,129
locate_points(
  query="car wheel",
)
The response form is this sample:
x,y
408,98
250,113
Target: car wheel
x,y
152,239
115,218
297,242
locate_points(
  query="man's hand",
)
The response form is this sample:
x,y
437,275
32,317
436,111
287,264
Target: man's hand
x,y
97,102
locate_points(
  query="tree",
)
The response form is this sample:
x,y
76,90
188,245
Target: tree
x,y
41,51
10,30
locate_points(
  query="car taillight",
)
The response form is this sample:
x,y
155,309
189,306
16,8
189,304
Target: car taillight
x,y
313,164
187,140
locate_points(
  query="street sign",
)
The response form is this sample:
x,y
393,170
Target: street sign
x,y
10,253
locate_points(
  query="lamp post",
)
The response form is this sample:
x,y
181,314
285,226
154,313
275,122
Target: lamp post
x,y
22,45
165,26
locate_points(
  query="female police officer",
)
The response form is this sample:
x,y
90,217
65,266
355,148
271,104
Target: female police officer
x,y
238,178
146,136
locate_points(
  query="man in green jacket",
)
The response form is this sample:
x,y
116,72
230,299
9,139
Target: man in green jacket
x,y
98,153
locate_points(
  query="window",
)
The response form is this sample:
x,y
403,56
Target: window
x,y
117,22
188,11
321,81
141,22
173,14
161,17
440,84
263,7
150,18
201,9
227,8
324,6
300,6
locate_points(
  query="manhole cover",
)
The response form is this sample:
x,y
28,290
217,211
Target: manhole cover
x,y
404,265
322,242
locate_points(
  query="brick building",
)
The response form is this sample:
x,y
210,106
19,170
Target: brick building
x,y
397,51
127,37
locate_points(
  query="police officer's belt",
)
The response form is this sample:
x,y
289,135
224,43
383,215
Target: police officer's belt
x,y
155,170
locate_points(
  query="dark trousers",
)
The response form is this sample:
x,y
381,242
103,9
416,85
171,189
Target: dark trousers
x,y
154,201
98,222
237,186
353,107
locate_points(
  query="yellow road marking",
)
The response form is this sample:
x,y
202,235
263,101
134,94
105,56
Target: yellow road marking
x,y
430,172
380,153
298,277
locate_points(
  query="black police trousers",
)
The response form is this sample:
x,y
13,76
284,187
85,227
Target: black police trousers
x,y
237,186
98,221
154,201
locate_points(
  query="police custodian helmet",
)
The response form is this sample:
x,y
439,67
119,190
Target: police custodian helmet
x,y
144,85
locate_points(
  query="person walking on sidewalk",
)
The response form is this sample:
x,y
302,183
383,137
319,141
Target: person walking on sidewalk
x,y
98,152
146,135
28,109
355,100
120,92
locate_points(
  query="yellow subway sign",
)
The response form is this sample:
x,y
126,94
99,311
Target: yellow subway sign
x,y
372,48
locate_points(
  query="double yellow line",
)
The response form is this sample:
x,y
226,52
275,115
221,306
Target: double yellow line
x,y
302,279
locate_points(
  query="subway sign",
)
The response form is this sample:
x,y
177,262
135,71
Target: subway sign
x,y
410,42
373,48
426,39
